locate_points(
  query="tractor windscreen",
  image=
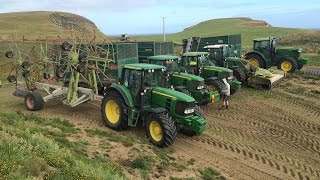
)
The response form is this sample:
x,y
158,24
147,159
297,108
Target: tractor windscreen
x,y
154,78
171,66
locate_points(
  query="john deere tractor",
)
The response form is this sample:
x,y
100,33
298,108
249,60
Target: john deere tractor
x,y
266,53
184,82
242,71
198,63
140,97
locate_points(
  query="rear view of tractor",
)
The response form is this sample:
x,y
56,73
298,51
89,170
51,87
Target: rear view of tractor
x,y
244,72
140,96
184,82
266,54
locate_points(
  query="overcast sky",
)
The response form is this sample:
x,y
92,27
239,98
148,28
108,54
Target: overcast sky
x,y
115,17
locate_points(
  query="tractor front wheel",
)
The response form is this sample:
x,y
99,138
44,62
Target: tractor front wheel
x,y
288,64
215,85
114,111
239,74
161,129
256,60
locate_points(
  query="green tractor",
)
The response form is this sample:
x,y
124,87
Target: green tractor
x,y
242,70
198,63
184,82
266,53
140,96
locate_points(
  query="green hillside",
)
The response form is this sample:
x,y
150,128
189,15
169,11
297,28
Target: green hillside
x,y
248,28
45,24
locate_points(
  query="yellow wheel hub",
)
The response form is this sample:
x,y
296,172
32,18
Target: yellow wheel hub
x,y
112,111
286,66
155,131
254,62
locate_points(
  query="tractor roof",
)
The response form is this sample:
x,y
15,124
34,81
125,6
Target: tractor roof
x,y
264,39
143,66
163,57
194,54
215,46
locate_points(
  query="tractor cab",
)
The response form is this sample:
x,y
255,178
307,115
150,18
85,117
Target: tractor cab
x,y
266,46
218,53
140,79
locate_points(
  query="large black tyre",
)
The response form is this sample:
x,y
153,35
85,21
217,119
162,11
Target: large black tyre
x,y
9,54
239,74
25,64
34,101
161,129
288,64
215,85
114,111
257,58
198,112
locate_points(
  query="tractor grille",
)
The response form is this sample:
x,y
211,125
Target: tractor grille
x,y
181,106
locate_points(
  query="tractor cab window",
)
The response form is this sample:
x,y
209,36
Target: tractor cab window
x,y
154,78
134,81
261,45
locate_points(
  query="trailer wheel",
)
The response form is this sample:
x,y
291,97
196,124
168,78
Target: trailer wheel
x,y
34,101
161,129
66,46
114,111
288,64
198,112
239,74
256,60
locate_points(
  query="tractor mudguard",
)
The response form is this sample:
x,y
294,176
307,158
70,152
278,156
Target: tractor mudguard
x,y
123,91
152,110
303,60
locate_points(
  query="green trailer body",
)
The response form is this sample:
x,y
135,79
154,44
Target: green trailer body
x,y
147,49
198,43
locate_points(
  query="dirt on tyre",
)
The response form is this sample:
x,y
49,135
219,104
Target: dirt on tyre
x,y
34,101
114,111
288,64
161,129
256,60
239,74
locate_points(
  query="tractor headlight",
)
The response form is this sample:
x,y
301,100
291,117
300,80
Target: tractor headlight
x,y
230,78
200,87
300,50
188,111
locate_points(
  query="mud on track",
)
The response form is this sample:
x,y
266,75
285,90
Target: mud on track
x,y
264,135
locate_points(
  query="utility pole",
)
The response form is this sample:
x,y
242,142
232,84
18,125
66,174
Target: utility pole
x,y
163,29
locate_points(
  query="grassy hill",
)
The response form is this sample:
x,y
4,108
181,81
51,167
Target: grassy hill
x,y
45,24
248,28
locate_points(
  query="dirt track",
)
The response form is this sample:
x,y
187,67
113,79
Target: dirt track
x,y
264,135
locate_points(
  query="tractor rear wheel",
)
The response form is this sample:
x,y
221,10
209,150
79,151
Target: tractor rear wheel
x,y
288,64
114,111
256,60
239,74
161,129
34,101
